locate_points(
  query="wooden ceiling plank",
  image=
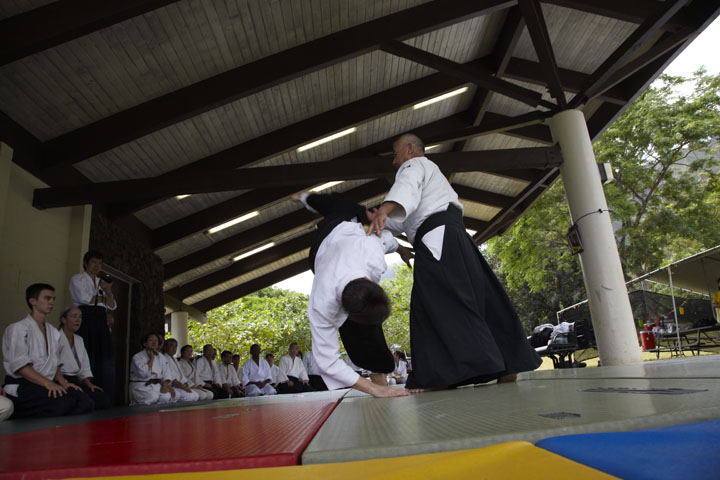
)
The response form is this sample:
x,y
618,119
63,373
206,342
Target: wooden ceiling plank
x,y
627,49
256,76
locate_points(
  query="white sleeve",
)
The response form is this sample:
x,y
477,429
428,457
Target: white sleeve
x,y
139,369
389,242
326,350
246,373
15,348
283,370
81,290
407,189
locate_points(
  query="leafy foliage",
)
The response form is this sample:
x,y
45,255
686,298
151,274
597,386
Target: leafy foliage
x,y
664,202
272,318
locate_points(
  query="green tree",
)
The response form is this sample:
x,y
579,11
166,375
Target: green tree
x,y
665,200
397,326
272,318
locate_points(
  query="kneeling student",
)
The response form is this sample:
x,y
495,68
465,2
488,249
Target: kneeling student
x,y
30,347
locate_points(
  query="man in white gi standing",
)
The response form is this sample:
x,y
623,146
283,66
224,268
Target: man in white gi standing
x,y
463,327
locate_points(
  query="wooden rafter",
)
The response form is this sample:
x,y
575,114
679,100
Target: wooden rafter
x,y
291,175
64,20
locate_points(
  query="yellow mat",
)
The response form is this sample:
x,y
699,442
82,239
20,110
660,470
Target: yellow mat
x,y
503,461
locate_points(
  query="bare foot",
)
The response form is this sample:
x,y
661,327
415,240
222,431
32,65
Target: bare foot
x,y
507,378
428,389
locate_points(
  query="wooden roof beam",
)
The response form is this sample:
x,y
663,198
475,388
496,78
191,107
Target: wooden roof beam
x,y
64,20
287,176
537,28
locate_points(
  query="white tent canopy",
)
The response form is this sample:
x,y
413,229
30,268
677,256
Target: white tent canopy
x,y
697,273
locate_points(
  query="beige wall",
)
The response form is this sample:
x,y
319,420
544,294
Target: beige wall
x,y
35,245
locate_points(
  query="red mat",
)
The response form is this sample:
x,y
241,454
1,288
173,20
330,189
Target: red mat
x,y
216,438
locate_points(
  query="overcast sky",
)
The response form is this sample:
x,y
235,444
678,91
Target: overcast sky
x,y
702,51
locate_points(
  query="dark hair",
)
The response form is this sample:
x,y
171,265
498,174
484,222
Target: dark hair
x,y
183,348
33,291
366,302
401,355
147,336
167,344
236,356
89,255
269,355
226,352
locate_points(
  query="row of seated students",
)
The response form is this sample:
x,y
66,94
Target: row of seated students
x,y
47,371
157,376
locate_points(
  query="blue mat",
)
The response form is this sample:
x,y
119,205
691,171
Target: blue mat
x,y
689,451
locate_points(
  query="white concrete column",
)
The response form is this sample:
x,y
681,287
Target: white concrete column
x,y
179,328
79,240
607,295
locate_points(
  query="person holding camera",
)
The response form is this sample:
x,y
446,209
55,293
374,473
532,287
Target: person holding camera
x,y
91,291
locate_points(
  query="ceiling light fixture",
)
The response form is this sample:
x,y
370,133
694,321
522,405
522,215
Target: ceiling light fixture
x,y
180,197
254,251
325,186
326,139
234,222
430,147
440,98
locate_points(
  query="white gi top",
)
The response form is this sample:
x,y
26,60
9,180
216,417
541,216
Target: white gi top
x,y
207,371
188,369
400,370
256,372
72,366
274,373
139,371
82,289
310,365
174,372
24,344
239,371
346,254
228,374
292,367
421,189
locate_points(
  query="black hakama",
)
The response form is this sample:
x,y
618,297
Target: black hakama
x,y
98,343
463,327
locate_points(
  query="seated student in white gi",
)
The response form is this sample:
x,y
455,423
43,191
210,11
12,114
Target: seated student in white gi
x,y
256,375
399,375
34,381
314,377
75,360
178,381
274,370
207,372
228,375
187,367
147,384
238,367
346,297
293,377
6,406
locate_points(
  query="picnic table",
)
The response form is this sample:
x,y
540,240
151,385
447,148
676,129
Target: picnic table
x,y
692,339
